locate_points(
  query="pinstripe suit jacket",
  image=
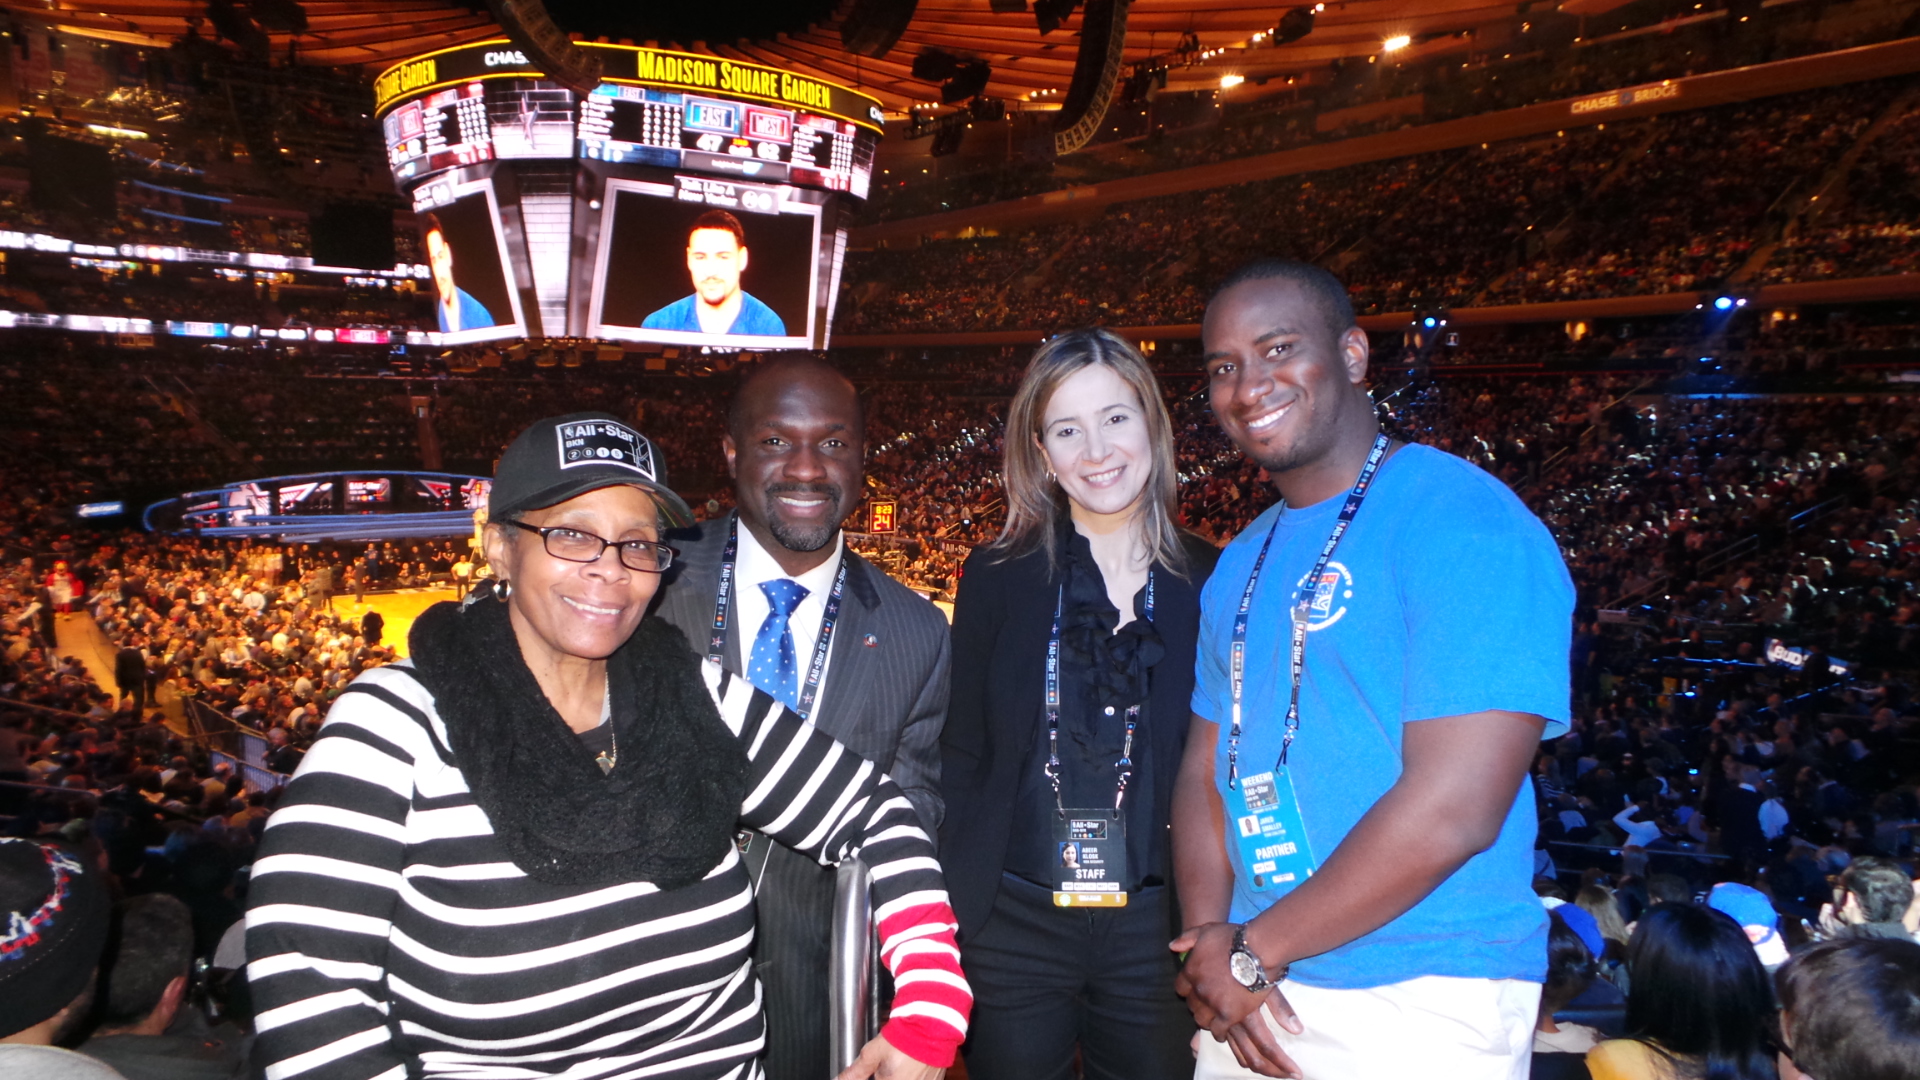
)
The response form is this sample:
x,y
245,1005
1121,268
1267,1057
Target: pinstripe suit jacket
x,y
886,701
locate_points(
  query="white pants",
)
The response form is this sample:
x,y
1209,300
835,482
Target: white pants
x,y
1435,1026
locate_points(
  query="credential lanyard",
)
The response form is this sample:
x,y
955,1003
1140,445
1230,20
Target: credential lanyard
x,y
1302,610
717,643
1125,765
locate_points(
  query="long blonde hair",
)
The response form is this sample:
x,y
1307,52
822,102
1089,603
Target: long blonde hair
x,y
1034,500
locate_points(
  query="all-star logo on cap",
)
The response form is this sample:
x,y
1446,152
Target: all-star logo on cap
x,y
603,442
559,457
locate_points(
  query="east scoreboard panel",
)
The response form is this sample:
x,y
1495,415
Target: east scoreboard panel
x,y
729,183
623,124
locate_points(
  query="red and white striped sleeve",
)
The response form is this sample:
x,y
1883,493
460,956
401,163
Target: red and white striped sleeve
x,y
814,795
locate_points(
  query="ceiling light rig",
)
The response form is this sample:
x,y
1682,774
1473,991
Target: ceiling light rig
x,y
1294,24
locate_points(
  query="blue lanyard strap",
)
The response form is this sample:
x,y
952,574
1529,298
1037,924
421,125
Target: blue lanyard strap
x,y
1052,697
1302,610
717,642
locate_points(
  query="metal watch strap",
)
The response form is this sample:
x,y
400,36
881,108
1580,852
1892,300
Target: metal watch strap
x,y
1260,980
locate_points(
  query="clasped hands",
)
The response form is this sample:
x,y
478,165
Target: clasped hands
x,y
1228,1010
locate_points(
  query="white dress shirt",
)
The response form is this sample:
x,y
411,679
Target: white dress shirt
x,y
752,565
1638,832
1773,818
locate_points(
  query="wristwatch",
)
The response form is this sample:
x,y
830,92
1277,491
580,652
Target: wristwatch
x,y
1246,967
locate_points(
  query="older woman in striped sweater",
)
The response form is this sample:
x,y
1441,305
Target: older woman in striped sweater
x,y
513,855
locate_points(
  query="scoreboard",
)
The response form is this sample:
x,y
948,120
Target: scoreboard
x,y
701,134
483,102
446,129
540,208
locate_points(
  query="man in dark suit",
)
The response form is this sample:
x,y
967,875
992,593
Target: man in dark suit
x,y
1740,832
130,674
794,446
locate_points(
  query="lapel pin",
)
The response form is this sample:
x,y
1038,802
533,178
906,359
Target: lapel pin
x,y
872,640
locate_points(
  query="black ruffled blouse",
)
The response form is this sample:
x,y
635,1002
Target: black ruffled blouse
x,y
1102,674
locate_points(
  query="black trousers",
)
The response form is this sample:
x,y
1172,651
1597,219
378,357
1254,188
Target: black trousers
x,y
1046,979
136,689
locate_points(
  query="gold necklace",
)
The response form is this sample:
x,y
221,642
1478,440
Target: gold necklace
x,y
606,758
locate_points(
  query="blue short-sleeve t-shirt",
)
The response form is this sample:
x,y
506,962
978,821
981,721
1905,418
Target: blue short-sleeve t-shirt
x,y
755,318
1447,596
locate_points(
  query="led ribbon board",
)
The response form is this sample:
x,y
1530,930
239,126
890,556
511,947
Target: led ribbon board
x,y
632,65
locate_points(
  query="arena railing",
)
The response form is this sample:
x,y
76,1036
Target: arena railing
x,y
229,741
27,706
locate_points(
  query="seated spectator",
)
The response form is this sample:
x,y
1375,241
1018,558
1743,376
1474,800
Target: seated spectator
x,y
147,1029
1571,969
1754,912
1847,1011
282,756
1668,889
1640,833
1598,902
1700,1003
1870,901
56,915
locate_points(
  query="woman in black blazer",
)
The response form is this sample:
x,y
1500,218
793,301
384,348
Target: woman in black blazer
x,y
1065,902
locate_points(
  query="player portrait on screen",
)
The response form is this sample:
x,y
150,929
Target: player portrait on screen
x,y
457,308
716,257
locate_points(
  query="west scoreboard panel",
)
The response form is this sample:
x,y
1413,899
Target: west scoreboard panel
x,y
446,129
535,202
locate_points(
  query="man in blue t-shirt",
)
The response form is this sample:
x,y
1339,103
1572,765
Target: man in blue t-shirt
x,y
716,257
1361,906
457,309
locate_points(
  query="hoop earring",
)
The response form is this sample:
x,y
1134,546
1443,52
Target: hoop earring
x,y
502,590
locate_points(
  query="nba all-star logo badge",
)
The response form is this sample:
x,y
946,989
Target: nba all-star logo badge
x,y
1330,596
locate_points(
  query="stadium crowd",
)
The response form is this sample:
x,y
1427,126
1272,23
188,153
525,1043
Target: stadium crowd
x,y
1867,228
1670,204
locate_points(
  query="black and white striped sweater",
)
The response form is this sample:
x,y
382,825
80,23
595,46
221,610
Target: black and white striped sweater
x,y
388,933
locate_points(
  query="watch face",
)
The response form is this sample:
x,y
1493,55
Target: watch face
x,y
1245,969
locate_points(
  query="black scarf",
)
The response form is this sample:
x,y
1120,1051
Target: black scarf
x,y
666,812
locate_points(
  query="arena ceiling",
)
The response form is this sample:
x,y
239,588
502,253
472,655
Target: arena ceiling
x,y
340,33
1199,41
1034,70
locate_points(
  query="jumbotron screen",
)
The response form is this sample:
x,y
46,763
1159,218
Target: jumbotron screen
x,y
688,200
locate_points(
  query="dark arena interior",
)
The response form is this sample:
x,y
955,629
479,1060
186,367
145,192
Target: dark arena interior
x,y
281,280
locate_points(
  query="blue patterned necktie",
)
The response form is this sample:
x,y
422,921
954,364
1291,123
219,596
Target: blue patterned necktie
x,y
772,666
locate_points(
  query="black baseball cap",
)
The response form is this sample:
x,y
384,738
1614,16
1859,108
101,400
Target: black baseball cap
x,y
562,456
54,913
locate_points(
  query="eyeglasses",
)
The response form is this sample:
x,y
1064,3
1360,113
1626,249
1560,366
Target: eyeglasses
x,y
573,545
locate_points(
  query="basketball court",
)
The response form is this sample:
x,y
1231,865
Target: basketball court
x,y
398,608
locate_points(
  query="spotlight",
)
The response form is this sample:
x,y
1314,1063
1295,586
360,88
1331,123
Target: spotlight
x,y
1723,303
1429,322
1228,82
1396,43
